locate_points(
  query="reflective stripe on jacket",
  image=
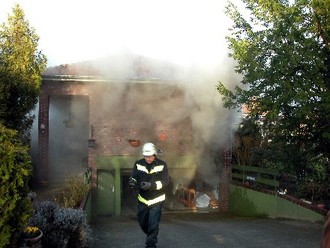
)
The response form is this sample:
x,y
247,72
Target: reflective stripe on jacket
x,y
153,201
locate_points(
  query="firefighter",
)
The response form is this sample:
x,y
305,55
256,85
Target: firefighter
x,y
149,177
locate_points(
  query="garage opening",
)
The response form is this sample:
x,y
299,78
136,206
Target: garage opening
x,y
128,195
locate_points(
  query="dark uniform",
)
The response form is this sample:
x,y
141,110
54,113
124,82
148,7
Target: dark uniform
x,y
150,201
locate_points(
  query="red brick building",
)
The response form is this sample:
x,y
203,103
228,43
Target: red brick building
x,y
98,117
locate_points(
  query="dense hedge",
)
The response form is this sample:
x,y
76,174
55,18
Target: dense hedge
x,y
15,171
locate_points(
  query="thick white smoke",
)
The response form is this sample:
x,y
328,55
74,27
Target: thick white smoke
x,y
212,124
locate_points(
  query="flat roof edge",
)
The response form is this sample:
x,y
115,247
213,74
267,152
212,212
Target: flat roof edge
x,y
70,78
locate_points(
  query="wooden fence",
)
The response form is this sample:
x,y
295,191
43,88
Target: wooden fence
x,y
256,176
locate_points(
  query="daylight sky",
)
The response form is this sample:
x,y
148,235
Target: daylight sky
x,y
180,31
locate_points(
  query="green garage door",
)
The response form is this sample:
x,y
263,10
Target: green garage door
x,y
105,192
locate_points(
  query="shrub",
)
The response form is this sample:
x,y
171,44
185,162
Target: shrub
x,y
62,227
15,171
73,192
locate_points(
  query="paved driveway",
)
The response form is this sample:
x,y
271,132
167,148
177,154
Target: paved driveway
x,y
200,230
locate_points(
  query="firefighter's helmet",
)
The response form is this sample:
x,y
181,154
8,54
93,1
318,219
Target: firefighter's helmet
x,y
149,149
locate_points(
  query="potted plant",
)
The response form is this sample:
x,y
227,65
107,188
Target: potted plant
x,y
32,235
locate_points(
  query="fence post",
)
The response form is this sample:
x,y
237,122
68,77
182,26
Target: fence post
x,y
243,171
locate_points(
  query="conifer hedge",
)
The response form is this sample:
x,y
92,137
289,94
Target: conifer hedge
x,y
15,171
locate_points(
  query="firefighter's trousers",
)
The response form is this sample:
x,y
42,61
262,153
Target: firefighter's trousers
x,y
149,218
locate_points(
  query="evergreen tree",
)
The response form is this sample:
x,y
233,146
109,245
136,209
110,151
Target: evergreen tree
x,y
21,66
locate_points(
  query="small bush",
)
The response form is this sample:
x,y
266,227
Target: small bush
x,y
62,227
73,192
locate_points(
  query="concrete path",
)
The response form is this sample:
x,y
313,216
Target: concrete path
x,y
201,230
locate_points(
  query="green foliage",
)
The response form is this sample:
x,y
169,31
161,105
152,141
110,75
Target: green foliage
x,y
62,227
73,192
312,191
21,66
282,51
15,171
246,140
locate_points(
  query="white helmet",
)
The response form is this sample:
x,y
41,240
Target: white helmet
x,y
149,149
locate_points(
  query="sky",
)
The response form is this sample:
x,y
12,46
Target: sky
x,y
180,31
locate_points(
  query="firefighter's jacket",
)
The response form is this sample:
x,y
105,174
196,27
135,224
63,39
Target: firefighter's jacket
x,y
157,174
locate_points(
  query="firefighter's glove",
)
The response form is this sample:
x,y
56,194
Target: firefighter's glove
x,y
132,182
145,185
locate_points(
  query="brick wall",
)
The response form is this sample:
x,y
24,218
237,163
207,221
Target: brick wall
x,y
118,112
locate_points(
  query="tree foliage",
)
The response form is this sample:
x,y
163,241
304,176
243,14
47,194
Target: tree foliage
x,y
21,66
282,50
247,138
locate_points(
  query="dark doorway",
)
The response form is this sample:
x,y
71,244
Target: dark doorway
x,y
128,196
